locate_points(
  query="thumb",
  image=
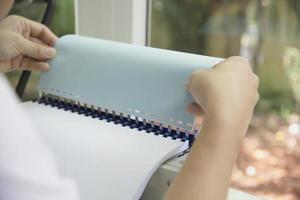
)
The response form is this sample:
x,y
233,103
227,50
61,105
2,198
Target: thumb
x,y
195,109
35,50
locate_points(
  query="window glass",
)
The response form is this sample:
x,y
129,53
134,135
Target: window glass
x,y
62,23
267,32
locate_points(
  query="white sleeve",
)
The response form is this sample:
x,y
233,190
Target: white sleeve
x,y
27,167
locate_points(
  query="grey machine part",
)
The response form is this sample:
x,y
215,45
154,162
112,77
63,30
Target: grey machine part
x,y
163,177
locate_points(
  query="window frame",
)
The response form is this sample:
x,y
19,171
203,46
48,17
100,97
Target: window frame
x,y
119,20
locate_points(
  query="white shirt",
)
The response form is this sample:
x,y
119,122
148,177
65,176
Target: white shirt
x,y
28,169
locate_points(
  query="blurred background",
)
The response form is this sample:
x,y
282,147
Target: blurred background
x,y
267,32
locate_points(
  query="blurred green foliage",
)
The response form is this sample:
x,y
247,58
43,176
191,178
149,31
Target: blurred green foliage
x,y
63,21
265,31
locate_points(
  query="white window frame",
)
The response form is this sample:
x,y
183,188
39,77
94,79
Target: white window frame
x,y
119,20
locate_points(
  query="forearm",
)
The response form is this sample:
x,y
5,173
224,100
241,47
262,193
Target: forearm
x,y
207,171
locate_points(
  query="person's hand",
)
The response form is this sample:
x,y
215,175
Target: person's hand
x,y
25,44
226,94
227,91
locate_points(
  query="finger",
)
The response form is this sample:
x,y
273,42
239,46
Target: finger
x,y
38,41
239,60
198,113
42,32
195,109
192,77
35,50
256,81
197,123
4,66
34,65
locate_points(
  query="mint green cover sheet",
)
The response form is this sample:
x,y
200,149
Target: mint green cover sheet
x,y
141,81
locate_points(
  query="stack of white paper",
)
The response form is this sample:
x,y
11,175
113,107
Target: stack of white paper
x,y
108,161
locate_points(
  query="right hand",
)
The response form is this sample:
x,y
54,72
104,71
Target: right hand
x,y
227,92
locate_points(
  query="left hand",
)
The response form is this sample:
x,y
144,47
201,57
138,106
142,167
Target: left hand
x,y
25,44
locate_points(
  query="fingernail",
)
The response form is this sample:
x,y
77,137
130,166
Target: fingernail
x,y
50,52
45,67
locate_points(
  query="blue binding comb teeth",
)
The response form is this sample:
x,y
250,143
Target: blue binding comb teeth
x,y
141,125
